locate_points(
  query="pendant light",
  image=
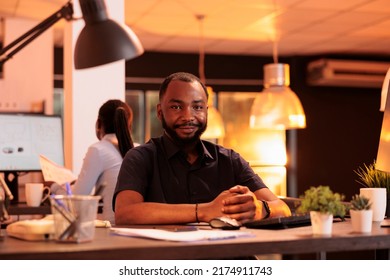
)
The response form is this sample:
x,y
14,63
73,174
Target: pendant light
x,y
277,106
215,128
385,90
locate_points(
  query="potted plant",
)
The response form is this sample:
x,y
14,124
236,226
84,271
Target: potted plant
x,y
322,204
375,184
361,214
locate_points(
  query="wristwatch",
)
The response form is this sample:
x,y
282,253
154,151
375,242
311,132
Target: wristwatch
x,y
266,208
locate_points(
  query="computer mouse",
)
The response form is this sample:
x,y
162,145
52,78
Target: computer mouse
x,y
225,223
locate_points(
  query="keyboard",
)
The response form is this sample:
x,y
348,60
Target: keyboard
x,y
280,222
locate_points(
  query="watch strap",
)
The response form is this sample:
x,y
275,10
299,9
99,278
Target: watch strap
x,y
266,208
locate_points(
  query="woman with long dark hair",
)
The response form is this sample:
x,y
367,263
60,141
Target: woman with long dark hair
x,y
103,159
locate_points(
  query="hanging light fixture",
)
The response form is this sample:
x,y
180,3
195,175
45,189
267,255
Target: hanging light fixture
x,y
385,90
215,128
277,106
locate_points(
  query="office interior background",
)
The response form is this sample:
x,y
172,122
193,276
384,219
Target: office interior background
x,y
343,122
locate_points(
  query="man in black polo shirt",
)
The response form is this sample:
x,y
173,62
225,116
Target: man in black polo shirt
x,y
178,178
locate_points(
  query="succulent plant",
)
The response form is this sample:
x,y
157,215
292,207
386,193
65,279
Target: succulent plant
x,y
322,199
360,202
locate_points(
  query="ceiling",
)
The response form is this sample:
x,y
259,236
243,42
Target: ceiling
x,y
243,27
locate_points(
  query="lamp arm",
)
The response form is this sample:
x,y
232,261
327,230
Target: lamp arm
x,y
65,12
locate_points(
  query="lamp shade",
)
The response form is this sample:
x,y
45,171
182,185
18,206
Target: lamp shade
x,y
215,127
383,159
102,40
385,90
277,106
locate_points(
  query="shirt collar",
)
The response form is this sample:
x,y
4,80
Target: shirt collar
x,y
172,149
111,137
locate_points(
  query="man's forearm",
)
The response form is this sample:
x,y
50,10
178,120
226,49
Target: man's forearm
x,y
155,213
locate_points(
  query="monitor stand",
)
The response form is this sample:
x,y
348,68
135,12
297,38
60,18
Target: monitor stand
x,y
11,179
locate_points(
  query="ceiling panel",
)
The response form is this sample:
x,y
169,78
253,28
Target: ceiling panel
x,y
243,27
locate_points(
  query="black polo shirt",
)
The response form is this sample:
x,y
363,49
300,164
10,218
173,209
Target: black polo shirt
x,y
159,171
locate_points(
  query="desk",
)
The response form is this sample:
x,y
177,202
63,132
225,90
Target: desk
x,y
24,209
45,209
287,241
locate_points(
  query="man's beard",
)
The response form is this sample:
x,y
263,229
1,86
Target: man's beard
x,y
183,141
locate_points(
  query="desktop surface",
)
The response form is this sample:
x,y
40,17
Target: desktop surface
x,y
287,242
21,208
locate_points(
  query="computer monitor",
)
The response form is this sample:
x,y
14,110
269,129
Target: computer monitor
x,y
23,137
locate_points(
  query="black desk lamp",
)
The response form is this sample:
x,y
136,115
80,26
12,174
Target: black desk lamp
x,y
101,41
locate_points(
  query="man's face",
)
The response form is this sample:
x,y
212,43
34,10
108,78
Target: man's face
x,y
183,111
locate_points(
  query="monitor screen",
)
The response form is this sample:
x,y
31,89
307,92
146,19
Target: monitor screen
x,y
23,137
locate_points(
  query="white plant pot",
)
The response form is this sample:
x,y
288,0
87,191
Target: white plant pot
x,y
361,220
321,223
377,197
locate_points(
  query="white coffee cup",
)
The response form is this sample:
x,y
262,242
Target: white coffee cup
x,y
34,193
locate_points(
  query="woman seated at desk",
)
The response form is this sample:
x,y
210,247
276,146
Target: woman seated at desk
x,y
103,159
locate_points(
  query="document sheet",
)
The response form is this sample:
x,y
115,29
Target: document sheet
x,y
193,235
53,172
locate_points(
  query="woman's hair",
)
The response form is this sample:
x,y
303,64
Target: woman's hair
x,y
117,117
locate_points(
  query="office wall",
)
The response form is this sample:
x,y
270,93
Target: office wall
x,y
342,133
27,79
343,124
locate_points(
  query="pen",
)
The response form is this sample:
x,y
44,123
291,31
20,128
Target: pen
x,y
68,189
178,228
66,214
185,229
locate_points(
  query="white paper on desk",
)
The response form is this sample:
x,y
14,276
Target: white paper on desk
x,y
52,172
183,236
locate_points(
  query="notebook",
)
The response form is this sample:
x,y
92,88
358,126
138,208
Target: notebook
x,y
280,222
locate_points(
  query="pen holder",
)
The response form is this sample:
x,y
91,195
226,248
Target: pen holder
x,y
74,217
